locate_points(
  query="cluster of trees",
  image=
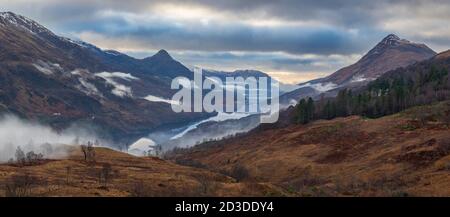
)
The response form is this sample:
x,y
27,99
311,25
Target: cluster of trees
x,y
392,93
305,111
29,158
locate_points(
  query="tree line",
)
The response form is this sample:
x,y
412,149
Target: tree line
x,y
396,91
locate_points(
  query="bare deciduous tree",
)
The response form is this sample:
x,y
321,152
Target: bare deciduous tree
x,y
84,150
88,152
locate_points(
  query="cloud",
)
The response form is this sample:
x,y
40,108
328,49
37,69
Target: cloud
x,y
277,28
289,68
151,32
265,21
38,138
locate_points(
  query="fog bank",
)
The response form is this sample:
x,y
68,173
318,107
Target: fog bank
x,y
32,136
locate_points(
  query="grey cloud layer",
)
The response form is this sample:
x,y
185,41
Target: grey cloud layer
x,y
337,20
274,27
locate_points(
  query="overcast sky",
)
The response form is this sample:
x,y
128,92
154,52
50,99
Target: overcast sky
x,y
293,40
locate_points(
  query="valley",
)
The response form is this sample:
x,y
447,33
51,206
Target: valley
x,y
397,155
390,156
81,121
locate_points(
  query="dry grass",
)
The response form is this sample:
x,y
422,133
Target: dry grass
x,y
343,157
118,174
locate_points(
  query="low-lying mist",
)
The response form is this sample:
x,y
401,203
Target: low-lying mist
x,y
32,136
213,131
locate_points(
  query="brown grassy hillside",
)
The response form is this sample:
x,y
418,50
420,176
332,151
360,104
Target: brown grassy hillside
x,y
126,176
399,155
407,154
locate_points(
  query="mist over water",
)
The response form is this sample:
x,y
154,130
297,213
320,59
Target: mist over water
x,y
32,136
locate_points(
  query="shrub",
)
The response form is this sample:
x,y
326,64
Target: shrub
x,y
105,173
205,184
239,172
20,185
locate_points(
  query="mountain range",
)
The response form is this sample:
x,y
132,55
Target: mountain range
x,y
389,138
378,127
63,82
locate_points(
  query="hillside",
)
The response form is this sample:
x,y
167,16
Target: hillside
x,y
62,82
390,53
127,176
59,81
406,154
422,83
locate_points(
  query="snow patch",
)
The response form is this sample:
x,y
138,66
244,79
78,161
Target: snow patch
x,y
47,68
42,69
88,88
113,52
152,98
119,89
79,43
125,76
76,72
358,78
321,87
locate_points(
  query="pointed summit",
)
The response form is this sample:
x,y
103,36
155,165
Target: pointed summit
x,y
163,64
162,52
392,39
162,55
390,53
393,42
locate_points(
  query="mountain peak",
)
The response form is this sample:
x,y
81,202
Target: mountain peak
x,y
390,53
392,39
161,55
10,18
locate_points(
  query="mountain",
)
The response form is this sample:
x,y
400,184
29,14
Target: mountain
x,y
443,55
163,64
391,53
401,132
60,81
422,83
236,73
